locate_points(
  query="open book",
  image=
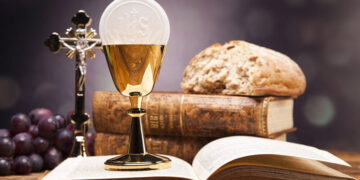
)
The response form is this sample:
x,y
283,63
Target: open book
x,y
240,157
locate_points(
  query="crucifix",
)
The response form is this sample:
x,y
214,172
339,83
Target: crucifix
x,y
79,42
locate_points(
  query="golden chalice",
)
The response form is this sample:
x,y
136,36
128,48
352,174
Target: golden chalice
x,y
134,34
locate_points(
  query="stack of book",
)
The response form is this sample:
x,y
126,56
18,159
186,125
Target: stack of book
x,y
180,124
184,126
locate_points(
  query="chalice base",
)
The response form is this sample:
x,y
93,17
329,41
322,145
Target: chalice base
x,y
136,162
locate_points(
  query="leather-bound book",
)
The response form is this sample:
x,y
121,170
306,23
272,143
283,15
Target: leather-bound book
x,y
182,147
195,115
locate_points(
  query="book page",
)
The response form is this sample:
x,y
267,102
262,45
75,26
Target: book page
x,y
93,168
278,167
219,152
280,115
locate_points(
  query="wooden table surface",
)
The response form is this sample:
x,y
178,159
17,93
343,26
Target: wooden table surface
x,y
32,176
353,158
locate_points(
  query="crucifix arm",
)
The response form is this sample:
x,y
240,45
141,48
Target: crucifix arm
x,y
66,45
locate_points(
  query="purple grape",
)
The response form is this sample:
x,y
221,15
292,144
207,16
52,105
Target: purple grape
x,y
7,158
22,165
33,131
70,127
37,162
68,116
10,160
23,143
60,121
90,141
39,113
5,167
7,147
19,123
64,139
47,127
40,145
52,158
4,133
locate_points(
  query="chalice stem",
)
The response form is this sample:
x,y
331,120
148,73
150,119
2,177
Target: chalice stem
x,y
137,158
136,142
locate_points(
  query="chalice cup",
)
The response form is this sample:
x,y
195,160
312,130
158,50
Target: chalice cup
x,y
134,34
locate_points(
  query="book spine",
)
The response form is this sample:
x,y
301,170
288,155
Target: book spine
x,y
182,147
176,114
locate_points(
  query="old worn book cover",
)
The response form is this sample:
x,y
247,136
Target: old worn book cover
x,y
178,114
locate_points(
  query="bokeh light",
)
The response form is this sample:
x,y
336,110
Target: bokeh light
x,y
319,110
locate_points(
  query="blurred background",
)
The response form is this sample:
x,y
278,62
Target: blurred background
x,y
322,36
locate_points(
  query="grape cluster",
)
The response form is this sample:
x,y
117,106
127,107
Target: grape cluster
x,y
38,141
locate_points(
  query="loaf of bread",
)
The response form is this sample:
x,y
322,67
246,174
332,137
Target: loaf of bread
x,y
242,68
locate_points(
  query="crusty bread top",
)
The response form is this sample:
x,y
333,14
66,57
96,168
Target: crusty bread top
x,y
242,68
